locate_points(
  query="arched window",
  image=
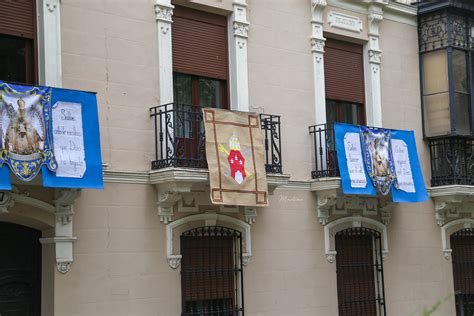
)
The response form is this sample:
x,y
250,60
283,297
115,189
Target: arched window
x,y
360,284
211,271
462,245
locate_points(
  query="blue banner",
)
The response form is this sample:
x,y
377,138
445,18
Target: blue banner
x,y
374,160
92,177
49,129
354,177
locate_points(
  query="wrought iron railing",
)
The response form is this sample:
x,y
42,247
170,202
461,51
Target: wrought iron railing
x,y
180,138
325,156
452,160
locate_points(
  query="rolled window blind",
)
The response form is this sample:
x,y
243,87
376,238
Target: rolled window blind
x,y
344,71
199,42
18,18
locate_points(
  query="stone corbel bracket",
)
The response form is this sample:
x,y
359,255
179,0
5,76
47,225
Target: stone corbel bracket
x,y
63,239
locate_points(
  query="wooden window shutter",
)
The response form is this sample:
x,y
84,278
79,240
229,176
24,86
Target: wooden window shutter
x,y
344,71
199,42
18,18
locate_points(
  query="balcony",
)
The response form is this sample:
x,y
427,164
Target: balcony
x,y
180,140
179,168
325,156
452,160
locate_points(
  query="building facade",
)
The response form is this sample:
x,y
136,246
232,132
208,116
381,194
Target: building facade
x,y
151,242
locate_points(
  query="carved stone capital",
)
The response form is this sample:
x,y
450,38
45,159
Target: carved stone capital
x,y
317,44
375,56
374,19
164,13
448,208
64,198
241,29
318,7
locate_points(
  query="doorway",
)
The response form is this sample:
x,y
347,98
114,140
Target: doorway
x,y
20,270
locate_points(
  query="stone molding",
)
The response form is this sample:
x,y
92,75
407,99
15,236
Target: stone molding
x,y
174,259
49,17
337,211
333,227
63,210
345,22
454,210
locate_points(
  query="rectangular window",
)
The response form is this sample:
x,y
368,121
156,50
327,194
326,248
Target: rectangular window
x,y
360,284
211,272
18,41
344,81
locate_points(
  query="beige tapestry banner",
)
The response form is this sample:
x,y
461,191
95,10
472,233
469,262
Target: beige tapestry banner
x,y
235,157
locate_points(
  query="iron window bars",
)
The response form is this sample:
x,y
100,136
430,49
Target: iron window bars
x,y
324,152
180,138
360,282
462,243
211,272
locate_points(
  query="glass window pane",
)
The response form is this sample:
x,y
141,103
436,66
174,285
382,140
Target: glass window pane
x,y
462,113
460,70
16,57
331,110
182,88
348,113
435,72
210,93
437,116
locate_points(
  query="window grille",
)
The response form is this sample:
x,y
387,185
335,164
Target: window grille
x,y
462,244
360,283
211,272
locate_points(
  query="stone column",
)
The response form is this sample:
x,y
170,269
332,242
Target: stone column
x,y
373,59
317,49
239,81
50,30
163,14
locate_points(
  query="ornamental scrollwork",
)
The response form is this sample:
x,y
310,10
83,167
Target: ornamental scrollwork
x,y
163,13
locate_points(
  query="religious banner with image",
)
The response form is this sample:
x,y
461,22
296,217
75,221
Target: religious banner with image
x,y
389,165
25,118
236,158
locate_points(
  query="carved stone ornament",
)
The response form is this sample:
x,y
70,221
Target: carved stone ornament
x,y
333,205
453,207
163,13
250,214
51,6
375,56
6,201
64,266
241,29
317,44
374,18
166,202
318,7
174,261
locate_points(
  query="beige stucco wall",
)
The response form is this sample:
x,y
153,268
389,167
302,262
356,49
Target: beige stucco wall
x,y
120,265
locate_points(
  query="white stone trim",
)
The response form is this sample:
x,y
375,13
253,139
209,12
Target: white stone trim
x,y
63,210
449,229
49,40
174,259
163,16
317,41
345,22
238,29
372,62
333,227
